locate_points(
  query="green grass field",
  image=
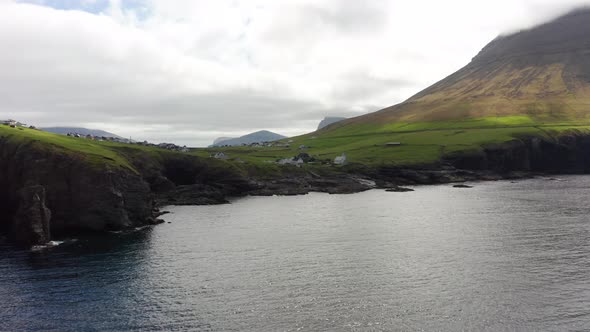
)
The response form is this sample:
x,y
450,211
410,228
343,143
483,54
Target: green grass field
x,y
95,153
105,153
92,151
421,143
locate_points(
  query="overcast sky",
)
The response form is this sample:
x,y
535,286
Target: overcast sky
x,y
188,71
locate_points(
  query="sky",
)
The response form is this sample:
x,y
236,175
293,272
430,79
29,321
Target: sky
x,y
188,71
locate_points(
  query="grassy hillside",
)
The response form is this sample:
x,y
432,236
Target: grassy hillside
x,y
138,158
102,153
421,142
96,153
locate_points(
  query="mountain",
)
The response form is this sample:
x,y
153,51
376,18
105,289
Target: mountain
x,y
81,131
329,120
257,137
541,74
532,83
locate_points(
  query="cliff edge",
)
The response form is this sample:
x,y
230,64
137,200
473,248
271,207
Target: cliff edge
x,y
66,193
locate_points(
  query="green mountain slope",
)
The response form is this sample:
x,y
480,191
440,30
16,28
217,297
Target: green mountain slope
x,y
542,74
532,83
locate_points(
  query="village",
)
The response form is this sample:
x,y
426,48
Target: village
x,y
14,124
168,146
298,160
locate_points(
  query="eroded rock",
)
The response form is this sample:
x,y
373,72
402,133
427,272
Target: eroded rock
x,y
32,220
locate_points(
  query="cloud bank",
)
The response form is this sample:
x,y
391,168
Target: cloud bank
x,y
188,71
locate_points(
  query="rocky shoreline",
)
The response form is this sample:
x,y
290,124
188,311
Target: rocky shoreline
x,y
337,184
45,194
524,158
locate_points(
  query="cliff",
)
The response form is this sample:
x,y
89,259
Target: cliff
x,y
566,154
52,185
79,196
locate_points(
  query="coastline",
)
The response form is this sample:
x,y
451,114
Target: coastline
x,y
47,192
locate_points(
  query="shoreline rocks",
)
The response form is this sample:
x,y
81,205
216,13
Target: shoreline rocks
x,y
399,190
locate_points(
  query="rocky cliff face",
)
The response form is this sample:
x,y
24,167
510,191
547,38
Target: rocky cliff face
x,y
524,157
66,193
566,154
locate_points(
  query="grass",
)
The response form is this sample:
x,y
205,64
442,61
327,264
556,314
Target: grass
x,y
128,156
364,144
94,152
421,143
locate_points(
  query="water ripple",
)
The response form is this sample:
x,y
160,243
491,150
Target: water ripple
x,y
500,256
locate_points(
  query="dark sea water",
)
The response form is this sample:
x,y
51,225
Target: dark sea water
x,y
500,256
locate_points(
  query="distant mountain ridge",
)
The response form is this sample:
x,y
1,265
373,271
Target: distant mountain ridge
x,y
78,130
329,120
221,139
257,137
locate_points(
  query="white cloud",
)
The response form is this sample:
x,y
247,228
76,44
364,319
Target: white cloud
x,y
188,71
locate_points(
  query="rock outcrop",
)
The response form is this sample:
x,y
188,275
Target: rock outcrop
x,y
31,221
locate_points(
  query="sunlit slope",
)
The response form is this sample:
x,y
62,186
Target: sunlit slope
x,y
101,154
542,73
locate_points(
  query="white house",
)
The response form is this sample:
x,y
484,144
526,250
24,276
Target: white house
x,y
291,161
340,160
9,122
220,155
